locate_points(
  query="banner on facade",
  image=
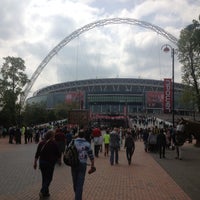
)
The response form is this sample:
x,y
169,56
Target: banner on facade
x,y
75,97
167,95
154,99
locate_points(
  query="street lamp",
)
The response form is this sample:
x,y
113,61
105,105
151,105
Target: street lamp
x,y
166,48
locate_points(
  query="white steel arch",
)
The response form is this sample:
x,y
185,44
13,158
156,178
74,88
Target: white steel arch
x,y
88,27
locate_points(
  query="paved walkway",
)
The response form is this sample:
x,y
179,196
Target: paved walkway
x,y
185,172
145,179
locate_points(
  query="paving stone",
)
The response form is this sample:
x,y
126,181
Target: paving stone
x,y
144,179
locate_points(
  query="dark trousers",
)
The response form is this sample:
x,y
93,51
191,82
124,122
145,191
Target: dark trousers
x,y
47,170
78,177
96,150
25,138
106,149
114,155
162,151
10,139
129,153
18,139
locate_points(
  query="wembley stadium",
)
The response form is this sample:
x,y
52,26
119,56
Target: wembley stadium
x,y
112,95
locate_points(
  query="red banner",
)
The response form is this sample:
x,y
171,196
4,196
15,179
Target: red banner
x,y
154,99
75,97
167,95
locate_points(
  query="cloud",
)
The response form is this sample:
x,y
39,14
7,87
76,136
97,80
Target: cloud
x,y
11,23
30,29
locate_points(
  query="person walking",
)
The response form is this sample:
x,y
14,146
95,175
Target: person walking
x,y
129,146
96,133
25,134
106,140
145,136
68,136
88,134
11,132
61,142
114,146
161,141
48,153
78,173
18,135
177,146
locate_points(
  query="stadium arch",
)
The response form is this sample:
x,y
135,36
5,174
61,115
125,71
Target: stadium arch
x,y
86,28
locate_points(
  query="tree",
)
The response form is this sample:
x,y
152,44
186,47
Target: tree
x,y
34,114
61,110
11,84
188,55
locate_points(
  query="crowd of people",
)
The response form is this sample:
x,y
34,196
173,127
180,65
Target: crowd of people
x,y
90,143
87,140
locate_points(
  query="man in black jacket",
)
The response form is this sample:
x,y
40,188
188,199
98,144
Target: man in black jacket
x,y
48,154
161,141
114,146
130,146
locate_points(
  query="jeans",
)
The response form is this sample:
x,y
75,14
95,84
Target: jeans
x,y
47,170
78,177
96,150
114,154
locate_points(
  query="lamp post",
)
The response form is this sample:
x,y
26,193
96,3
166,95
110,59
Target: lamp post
x,y
166,48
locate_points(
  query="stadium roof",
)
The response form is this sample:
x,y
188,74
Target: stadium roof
x,y
107,84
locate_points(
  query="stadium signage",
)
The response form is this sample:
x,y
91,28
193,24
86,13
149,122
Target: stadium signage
x,y
167,95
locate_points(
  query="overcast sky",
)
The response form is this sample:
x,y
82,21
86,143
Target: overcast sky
x,y
30,29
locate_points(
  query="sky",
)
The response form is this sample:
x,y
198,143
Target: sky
x,y
30,29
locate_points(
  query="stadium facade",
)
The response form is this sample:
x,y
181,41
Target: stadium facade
x,y
110,95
